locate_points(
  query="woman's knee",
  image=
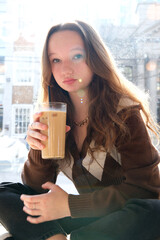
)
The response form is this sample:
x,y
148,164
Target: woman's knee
x,y
5,199
145,212
144,205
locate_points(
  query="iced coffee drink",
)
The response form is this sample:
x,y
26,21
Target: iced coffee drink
x,y
54,115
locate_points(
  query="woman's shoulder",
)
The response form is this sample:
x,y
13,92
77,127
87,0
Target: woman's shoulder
x,y
126,103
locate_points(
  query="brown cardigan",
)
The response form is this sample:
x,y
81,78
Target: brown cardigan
x,y
130,170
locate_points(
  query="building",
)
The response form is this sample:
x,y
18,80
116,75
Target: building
x,y
18,96
21,76
135,47
147,39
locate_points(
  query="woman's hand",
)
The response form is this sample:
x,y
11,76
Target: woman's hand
x,y
34,135
48,206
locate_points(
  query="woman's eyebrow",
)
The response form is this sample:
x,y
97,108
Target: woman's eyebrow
x,y
78,48
51,54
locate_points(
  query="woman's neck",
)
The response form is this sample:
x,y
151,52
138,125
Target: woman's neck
x,y
80,106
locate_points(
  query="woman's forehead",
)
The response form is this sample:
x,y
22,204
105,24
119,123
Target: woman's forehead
x,y
69,40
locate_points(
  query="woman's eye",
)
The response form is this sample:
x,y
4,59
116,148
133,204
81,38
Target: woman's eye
x,y
78,57
55,60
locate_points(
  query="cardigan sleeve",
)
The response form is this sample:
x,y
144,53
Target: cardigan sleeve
x,y
37,170
139,157
139,161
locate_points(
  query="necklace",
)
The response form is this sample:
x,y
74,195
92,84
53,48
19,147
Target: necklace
x,y
81,123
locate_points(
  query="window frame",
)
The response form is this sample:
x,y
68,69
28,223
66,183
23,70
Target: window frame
x,y
20,106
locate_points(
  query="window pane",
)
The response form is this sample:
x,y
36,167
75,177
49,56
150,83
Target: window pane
x,y
22,119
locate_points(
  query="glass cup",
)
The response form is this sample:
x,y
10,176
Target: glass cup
x,y
54,115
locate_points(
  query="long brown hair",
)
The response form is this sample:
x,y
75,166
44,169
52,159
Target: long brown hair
x,y
105,91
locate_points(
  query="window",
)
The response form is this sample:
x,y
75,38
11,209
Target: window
x,y
21,118
1,118
23,70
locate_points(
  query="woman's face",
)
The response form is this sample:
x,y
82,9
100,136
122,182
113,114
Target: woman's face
x,y
68,61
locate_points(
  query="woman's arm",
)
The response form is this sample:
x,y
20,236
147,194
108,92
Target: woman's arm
x,y
37,171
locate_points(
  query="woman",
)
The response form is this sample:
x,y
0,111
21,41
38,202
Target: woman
x,y
109,155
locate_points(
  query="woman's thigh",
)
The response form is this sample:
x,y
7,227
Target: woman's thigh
x,y
70,224
13,217
138,220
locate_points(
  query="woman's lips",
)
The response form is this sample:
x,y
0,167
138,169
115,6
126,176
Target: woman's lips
x,y
69,81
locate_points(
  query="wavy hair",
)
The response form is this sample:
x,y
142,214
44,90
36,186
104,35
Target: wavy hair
x,y
105,91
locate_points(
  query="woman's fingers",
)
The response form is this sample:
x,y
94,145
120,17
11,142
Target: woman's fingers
x,y
35,220
68,128
35,138
32,205
34,143
36,135
36,116
33,212
37,126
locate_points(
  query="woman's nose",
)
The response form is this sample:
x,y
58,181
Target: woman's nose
x,y
67,68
